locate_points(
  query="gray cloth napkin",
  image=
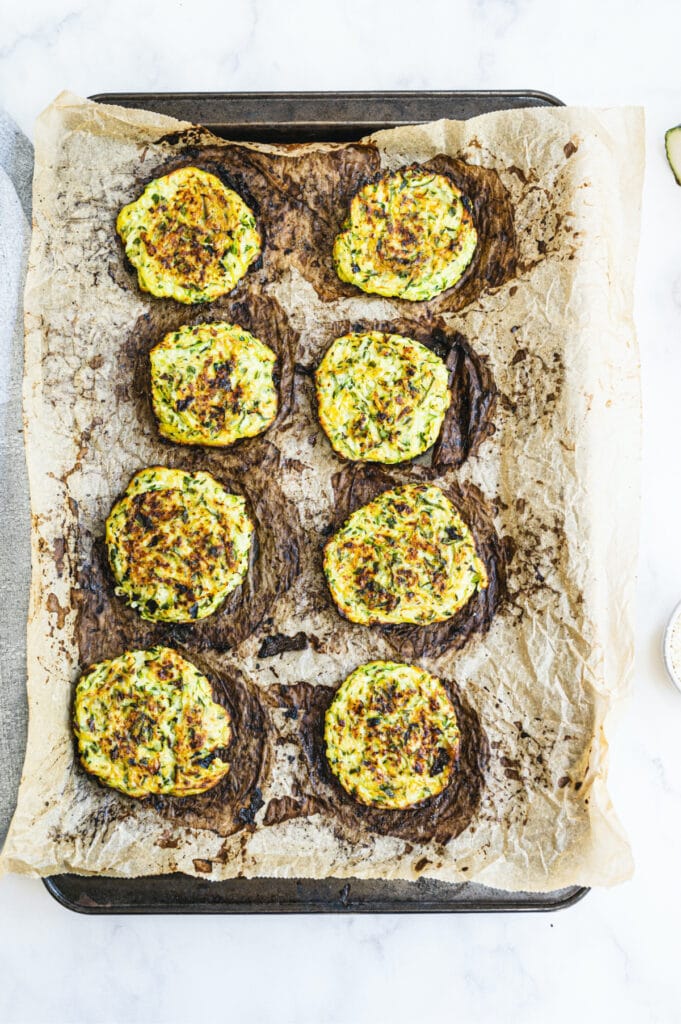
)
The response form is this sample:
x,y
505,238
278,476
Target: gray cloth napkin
x,y
16,172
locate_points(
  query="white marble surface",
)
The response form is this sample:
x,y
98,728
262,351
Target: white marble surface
x,y
615,956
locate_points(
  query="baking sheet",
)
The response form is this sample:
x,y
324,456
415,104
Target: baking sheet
x,y
594,850
303,118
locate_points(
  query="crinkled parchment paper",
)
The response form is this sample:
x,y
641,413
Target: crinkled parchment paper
x,y
561,472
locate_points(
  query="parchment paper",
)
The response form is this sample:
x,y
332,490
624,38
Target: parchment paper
x,y
561,471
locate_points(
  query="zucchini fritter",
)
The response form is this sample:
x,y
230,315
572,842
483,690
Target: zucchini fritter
x,y
410,234
189,237
391,734
212,384
178,544
381,397
406,556
146,723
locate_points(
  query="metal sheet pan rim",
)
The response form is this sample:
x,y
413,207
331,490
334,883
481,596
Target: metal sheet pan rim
x,y
322,116
287,903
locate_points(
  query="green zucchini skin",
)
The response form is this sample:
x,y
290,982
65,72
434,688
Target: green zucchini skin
x,y
672,146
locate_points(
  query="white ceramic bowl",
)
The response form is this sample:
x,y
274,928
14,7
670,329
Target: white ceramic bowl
x,y
674,620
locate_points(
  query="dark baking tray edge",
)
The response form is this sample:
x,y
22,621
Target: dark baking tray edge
x,y
101,895
308,117
323,117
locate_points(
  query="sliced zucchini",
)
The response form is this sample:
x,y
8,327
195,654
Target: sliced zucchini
x,y
672,144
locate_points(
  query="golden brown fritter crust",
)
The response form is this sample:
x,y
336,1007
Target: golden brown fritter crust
x,y
469,420
212,384
409,234
392,739
189,236
263,318
178,544
381,396
301,200
441,818
104,621
406,556
146,724
356,485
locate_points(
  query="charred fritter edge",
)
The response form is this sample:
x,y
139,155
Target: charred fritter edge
x,y
146,724
264,318
105,621
469,420
496,255
440,818
227,807
391,735
409,235
381,397
174,262
357,485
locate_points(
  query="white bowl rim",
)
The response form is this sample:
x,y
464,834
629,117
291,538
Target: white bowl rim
x,y
666,646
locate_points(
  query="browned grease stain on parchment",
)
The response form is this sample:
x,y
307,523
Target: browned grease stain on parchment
x,y
105,620
470,417
264,318
357,485
226,808
301,200
441,818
